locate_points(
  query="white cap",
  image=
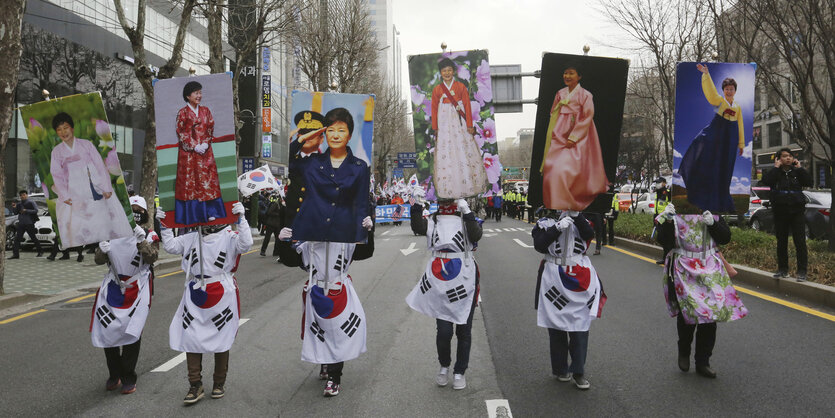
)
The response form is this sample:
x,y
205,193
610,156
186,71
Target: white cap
x,y
138,201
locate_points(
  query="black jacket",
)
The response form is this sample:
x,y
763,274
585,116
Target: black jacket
x,y
787,188
719,231
27,212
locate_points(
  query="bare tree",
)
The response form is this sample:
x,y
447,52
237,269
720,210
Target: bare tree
x,y
76,63
391,130
793,44
136,36
38,58
11,18
666,32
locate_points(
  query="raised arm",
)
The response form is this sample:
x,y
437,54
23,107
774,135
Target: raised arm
x,y
713,97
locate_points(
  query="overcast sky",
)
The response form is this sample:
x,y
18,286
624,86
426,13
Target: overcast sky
x,y
514,31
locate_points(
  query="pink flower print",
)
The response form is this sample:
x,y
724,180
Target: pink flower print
x,y
418,98
484,94
696,266
476,108
453,55
718,294
683,227
427,109
704,312
493,167
464,72
700,295
488,131
482,74
733,298
680,290
112,163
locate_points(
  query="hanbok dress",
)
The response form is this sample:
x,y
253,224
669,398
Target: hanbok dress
x,y
696,282
197,188
79,173
572,177
207,318
458,165
708,164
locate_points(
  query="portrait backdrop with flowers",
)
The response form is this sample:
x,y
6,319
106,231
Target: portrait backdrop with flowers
x,y
474,73
605,79
90,123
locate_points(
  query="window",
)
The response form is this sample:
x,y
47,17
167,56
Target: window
x,y
756,137
775,134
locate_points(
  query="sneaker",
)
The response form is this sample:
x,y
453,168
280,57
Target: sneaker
x,y
195,393
706,371
801,276
323,372
459,381
580,381
217,391
128,389
112,384
566,377
442,379
780,274
332,389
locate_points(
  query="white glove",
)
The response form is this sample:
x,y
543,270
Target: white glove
x,y
285,234
463,207
201,148
104,246
707,217
667,214
160,213
367,223
565,223
139,233
573,214
238,208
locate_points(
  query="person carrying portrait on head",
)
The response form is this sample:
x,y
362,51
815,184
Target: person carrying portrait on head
x,y
569,293
207,319
448,289
459,167
572,166
697,286
333,219
197,189
87,210
708,164
123,300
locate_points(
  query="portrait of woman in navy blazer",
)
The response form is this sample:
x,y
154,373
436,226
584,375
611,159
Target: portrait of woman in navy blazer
x,y
336,200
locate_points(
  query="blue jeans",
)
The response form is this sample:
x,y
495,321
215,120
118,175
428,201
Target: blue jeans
x,y
561,347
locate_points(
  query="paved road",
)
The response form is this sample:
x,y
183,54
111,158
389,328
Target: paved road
x,y
777,361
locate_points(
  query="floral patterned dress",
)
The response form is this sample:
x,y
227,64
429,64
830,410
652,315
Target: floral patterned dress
x,y
703,291
197,189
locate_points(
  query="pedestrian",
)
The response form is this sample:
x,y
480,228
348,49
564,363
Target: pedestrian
x,y
27,215
569,294
273,222
697,286
787,180
611,217
497,206
208,316
596,220
263,205
489,207
416,221
124,298
448,289
662,199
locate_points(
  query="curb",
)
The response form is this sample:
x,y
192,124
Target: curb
x,y
810,292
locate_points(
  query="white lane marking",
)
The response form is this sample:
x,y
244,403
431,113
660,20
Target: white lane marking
x,y
387,231
489,235
411,249
508,229
179,358
488,230
498,408
522,243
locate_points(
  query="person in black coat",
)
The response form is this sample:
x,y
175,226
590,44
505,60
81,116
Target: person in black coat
x,y
27,215
273,222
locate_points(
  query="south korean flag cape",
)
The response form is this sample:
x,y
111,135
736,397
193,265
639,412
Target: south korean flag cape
x,y
569,294
207,318
334,326
124,298
448,286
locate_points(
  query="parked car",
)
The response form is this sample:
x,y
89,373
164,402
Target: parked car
x,y
645,203
11,219
817,215
624,202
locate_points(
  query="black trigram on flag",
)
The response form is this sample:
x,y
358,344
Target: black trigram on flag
x,y
590,302
456,294
556,298
424,284
221,259
351,325
192,256
187,318
340,264
104,315
135,261
579,245
317,331
458,240
220,320
435,238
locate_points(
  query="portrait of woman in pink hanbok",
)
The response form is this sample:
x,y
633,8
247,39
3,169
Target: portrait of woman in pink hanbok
x,y
197,189
572,169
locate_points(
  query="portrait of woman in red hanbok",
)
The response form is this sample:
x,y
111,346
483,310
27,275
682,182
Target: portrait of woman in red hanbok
x,y
197,189
572,167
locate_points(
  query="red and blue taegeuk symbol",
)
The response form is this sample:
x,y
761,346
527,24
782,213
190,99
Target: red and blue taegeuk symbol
x,y
329,306
257,176
576,279
116,299
446,268
208,298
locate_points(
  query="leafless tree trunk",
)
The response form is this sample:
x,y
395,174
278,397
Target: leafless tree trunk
x,y
213,11
136,35
793,44
11,18
391,130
